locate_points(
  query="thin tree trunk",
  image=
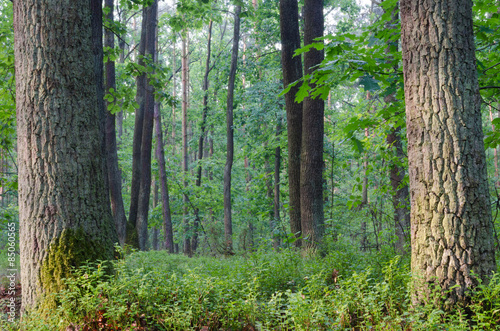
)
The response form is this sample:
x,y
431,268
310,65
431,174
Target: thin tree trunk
x,y
495,151
185,160
114,174
165,198
228,225
203,129
155,204
277,166
132,236
292,71
311,167
147,131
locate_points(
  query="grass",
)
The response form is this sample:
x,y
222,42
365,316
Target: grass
x,y
259,291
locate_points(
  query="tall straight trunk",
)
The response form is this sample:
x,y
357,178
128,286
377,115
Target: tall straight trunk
x,y
165,198
202,129
451,228
185,156
147,131
155,204
63,199
311,167
131,231
495,151
276,202
292,71
174,94
228,223
114,174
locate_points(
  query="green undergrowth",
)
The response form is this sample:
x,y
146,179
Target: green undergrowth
x,y
258,291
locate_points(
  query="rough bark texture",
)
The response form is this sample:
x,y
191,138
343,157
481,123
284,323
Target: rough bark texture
x,y
147,130
451,230
228,224
165,198
311,166
114,174
64,211
292,71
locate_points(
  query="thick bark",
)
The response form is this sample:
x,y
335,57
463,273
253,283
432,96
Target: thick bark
x,y
114,174
63,200
292,71
185,156
228,225
165,198
451,229
147,131
311,167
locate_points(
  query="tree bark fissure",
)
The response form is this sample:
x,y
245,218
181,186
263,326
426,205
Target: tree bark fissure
x,y
450,207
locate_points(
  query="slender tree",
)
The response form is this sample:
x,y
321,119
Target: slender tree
x,y
185,155
202,129
311,167
114,174
452,242
147,131
64,212
228,223
292,71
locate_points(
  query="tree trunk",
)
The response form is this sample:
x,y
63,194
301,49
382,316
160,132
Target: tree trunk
x,y
114,174
292,71
132,238
155,204
185,160
451,228
277,166
147,131
203,129
228,225
165,198
64,214
311,167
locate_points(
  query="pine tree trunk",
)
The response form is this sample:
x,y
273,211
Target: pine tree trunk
x,y
228,224
311,167
292,71
451,228
63,200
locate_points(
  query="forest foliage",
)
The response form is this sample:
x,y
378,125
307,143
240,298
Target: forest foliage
x,y
355,279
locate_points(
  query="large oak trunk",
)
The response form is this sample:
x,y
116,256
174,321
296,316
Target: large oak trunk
x,y
64,212
451,230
